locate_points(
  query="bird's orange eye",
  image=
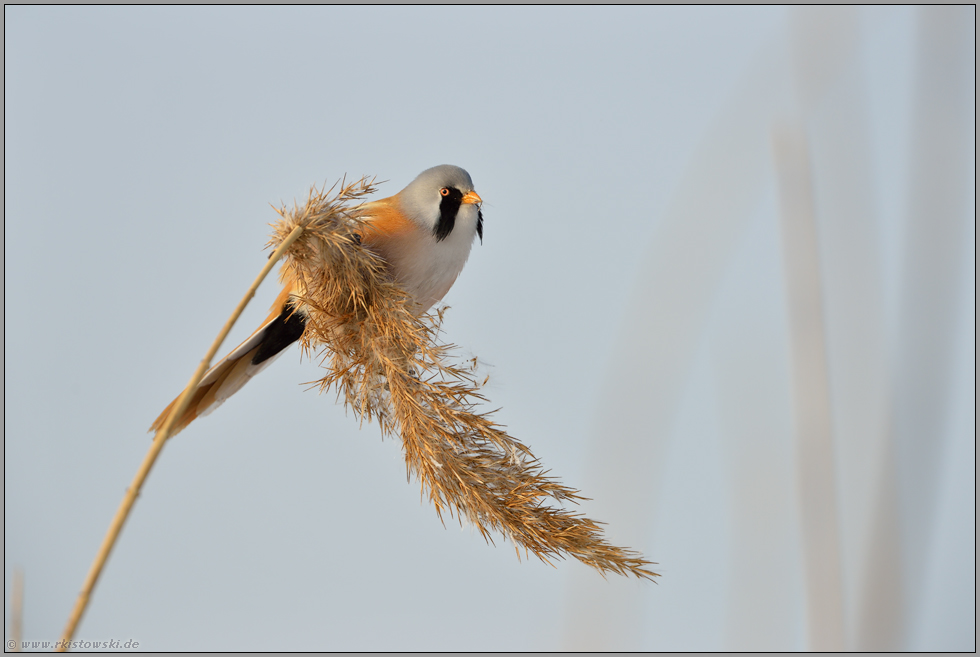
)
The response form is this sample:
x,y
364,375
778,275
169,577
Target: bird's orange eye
x,y
444,191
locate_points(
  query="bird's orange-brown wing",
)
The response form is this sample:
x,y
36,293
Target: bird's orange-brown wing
x,y
386,223
282,327
386,229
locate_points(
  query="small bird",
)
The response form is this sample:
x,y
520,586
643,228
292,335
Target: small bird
x,y
424,233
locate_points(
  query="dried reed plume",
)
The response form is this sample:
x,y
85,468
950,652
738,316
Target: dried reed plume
x,y
386,362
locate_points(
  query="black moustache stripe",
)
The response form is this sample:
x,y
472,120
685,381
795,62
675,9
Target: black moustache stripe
x,y
448,209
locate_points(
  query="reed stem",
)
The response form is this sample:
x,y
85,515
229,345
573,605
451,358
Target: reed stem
x,y
158,442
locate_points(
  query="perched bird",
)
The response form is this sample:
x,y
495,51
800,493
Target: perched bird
x,y
424,234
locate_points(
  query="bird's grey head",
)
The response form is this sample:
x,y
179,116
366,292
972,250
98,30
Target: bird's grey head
x,y
438,197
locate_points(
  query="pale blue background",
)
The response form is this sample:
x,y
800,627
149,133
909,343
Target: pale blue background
x,y
142,150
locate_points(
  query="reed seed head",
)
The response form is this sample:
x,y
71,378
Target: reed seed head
x,y
389,367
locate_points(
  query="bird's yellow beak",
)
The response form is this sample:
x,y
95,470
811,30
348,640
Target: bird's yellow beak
x,y
472,197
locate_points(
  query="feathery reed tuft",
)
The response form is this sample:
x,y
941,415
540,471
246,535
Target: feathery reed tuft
x,y
387,363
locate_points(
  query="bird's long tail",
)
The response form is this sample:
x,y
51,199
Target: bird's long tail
x,y
284,326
